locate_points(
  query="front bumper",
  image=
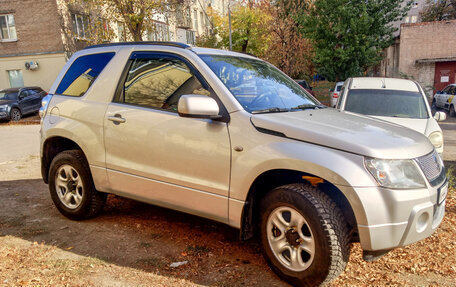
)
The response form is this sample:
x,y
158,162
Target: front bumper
x,y
399,217
3,115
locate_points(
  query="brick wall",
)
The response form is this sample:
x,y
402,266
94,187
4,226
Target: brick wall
x,y
427,40
37,25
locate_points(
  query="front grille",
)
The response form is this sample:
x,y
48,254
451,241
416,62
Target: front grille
x,y
431,165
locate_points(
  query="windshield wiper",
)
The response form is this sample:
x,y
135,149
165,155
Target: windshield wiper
x,y
271,110
308,106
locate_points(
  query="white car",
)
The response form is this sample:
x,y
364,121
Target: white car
x,y
398,101
445,99
334,93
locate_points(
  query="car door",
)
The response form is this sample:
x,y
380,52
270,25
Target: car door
x,y
24,101
442,97
450,96
153,154
35,100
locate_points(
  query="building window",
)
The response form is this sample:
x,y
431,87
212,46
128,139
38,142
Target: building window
x,y
160,33
81,25
195,20
15,78
413,19
415,5
407,19
7,28
190,37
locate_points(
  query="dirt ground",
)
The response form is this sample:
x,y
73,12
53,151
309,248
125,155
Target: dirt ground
x,y
133,244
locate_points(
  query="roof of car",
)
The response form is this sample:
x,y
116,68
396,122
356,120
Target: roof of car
x,y
384,83
197,50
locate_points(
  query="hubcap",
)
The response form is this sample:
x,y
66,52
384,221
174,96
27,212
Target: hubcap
x,y
15,115
68,185
290,238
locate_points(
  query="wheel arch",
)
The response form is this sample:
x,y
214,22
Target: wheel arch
x,y
271,179
52,147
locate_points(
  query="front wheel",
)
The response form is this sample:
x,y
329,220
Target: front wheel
x,y
71,186
15,115
304,237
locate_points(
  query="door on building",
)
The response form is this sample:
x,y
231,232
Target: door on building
x,y
445,74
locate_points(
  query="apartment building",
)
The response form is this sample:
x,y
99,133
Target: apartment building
x,y
38,36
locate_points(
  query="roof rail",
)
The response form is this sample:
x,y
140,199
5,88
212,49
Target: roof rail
x,y
161,43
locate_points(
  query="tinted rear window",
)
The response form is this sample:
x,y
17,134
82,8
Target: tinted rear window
x,y
82,73
338,88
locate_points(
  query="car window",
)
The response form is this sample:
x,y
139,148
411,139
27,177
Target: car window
x,y
452,90
445,91
257,85
24,93
82,73
159,81
386,103
338,88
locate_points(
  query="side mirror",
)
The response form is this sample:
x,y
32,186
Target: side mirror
x,y
198,106
20,97
440,116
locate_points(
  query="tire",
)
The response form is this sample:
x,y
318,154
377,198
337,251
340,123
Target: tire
x,y
71,186
322,224
452,113
15,115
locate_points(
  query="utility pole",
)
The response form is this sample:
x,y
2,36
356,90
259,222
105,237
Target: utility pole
x,y
229,24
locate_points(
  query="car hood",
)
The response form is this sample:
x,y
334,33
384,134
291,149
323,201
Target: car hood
x,y
2,102
348,132
418,125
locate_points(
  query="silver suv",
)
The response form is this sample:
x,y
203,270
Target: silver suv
x,y
229,137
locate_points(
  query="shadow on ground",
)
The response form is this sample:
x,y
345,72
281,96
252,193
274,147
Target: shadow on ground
x,y
132,234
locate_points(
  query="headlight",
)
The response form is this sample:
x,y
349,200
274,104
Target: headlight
x,y
436,139
44,105
3,107
393,173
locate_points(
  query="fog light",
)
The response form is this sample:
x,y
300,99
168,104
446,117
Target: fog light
x,y
422,222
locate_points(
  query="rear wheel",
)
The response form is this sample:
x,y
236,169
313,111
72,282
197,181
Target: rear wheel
x,y
15,115
452,112
71,186
304,237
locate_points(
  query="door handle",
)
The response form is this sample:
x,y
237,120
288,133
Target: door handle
x,y
117,119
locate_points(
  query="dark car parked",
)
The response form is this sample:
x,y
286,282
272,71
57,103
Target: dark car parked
x,y
306,86
16,102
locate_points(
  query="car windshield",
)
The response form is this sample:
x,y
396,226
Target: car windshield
x,y
258,86
387,103
8,96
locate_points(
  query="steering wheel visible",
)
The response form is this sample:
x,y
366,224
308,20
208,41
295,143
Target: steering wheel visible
x,y
262,99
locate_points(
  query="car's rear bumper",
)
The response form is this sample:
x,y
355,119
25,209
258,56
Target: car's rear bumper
x,y
399,217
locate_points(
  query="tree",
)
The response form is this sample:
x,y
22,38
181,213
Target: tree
x,y
439,10
266,29
288,49
135,14
249,30
349,35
